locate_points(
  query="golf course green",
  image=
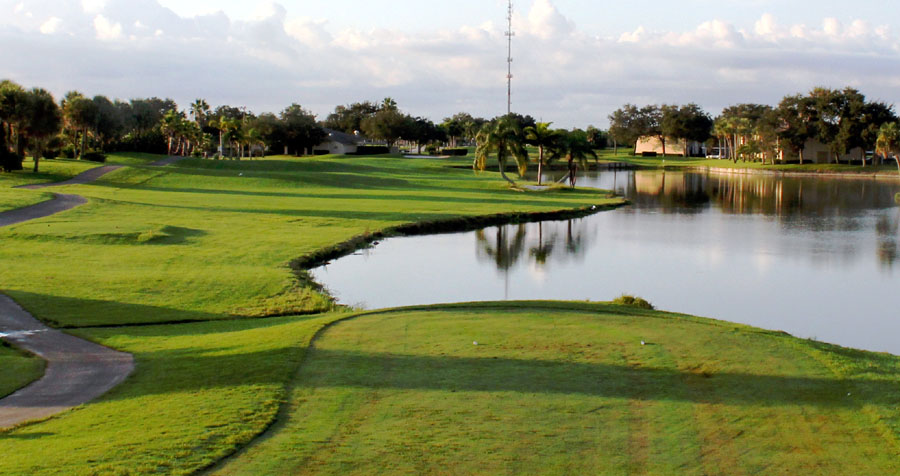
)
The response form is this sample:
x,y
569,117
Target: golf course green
x,y
244,366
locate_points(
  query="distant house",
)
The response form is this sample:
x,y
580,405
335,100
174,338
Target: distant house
x,y
813,152
339,142
817,153
651,145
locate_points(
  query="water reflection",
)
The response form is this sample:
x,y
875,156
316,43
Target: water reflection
x,y
541,243
775,252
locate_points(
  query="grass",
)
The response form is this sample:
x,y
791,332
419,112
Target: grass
x,y
213,239
50,171
567,388
551,387
19,369
201,390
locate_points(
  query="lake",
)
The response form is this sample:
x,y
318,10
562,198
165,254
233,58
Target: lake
x,y
815,257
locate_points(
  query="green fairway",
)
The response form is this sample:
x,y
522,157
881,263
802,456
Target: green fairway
x,y
568,388
18,369
200,391
208,239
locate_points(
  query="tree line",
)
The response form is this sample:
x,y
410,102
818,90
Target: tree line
x,y
842,120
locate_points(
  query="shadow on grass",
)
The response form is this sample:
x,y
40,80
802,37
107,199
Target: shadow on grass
x,y
376,371
98,313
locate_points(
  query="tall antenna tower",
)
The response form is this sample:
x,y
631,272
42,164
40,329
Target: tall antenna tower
x,y
509,76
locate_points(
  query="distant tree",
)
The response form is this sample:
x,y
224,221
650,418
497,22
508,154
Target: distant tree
x,y
798,117
876,115
688,123
505,138
300,129
888,143
544,138
596,137
422,131
388,104
13,101
108,125
829,104
388,125
349,118
199,111
44,121
523,121
80,114
457,126
576,149
624,126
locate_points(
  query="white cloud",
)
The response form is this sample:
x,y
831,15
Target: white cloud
x,y
93,6
561,73
51,26
107,30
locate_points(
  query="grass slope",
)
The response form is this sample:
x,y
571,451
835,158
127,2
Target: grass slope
x,y
567,388
18,369
212,239
200,391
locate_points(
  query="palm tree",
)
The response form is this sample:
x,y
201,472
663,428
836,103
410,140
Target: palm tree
x,y
576,149
43,122
543,137
888,142
505,138
170,126
199,111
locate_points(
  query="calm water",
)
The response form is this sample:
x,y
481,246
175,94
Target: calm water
x,y
814,257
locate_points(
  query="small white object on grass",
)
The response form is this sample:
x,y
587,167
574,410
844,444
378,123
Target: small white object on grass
x,y
643,343
241,174
475,343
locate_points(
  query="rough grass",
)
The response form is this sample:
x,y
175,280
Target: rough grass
x,y
557,388
207,239
200,391
18,369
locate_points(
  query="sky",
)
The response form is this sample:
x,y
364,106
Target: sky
x,y
575,61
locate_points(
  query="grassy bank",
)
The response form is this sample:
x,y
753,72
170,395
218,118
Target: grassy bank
x,y
568,388
214,239
18,369
200,391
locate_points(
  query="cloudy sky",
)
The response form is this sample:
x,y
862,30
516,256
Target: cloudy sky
x,y
575,60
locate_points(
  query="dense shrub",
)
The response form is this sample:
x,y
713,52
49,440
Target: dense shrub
x,y
94,157
431,149
632,301
152,142
372,150
458,151
50,153
10,161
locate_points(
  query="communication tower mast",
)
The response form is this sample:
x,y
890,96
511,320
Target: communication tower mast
x,y
509,76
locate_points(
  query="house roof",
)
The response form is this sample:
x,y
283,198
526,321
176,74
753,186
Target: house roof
x,y
343,137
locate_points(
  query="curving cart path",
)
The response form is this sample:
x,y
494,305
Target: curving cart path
x,y
78,371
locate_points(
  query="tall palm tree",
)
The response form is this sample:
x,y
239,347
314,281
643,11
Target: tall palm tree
x,y
199,111
575,148
505,138
888,142
43,122
544,138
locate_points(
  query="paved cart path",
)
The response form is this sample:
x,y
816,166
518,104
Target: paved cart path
x,y
77,372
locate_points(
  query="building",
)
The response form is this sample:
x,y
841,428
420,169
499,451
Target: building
x,y
650,145
339,143
814,152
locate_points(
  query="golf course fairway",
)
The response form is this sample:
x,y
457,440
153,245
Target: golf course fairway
x,y
569,388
